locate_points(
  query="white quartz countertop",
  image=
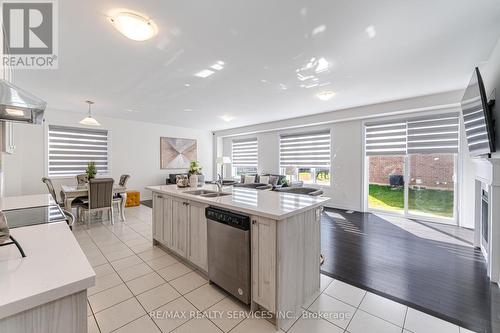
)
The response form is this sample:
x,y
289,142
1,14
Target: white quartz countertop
x,y
25,201
270,204
55,266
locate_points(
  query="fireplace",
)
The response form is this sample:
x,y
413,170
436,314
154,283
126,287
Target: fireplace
x,y
484,216
487,214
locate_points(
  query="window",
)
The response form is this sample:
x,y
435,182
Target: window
x,y
70,149
245,159
412,165
306,157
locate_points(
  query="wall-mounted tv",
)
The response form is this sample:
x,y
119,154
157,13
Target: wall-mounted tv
x,y
479,127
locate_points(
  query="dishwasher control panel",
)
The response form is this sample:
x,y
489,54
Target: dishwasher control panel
x,y
226,217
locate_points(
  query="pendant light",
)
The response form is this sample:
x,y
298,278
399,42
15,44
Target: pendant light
x,y
89,120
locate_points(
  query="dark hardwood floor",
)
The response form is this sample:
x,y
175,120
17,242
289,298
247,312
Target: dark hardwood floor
x,y
429,267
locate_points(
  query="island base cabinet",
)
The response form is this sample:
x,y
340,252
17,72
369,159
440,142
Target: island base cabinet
x,y
263,236
197,248
65,315
180,220
162,219
286,264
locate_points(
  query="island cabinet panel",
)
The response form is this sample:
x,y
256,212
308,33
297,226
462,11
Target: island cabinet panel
x,y
158,213
298,266
180,216
162,219
197,247
263,234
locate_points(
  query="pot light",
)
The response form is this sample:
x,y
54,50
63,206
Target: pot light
x,y
227,118
217,66
89,120
14,112
204,73
134,26
325,95
371,32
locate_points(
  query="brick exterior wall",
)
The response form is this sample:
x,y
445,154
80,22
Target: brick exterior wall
x,y
426,170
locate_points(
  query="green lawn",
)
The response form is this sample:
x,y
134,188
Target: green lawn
x,y
426,201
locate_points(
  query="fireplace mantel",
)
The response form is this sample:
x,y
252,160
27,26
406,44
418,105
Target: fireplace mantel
x,y
487,176
488,170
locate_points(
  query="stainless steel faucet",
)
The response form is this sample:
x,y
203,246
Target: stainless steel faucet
x,y
219,182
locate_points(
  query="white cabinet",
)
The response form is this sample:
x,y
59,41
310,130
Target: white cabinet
x,y
263,233
162,219
181,226
197,250
180,220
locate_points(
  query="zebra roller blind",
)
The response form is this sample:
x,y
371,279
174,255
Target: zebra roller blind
x,y
432,134
70,149
245,153
307,150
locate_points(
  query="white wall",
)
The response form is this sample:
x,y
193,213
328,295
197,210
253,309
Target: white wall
x,y
346,190
135,150
345,160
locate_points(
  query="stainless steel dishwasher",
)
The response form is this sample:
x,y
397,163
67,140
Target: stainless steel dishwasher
x,y
228,236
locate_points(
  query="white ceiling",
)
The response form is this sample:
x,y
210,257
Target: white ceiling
x,y
420,47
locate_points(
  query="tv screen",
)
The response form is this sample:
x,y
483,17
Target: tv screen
x,y
479,128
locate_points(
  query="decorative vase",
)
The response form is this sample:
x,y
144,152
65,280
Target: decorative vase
x,y
201,180
193,181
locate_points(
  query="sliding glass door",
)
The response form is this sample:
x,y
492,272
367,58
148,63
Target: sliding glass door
x,y
431,188
386,183
411,167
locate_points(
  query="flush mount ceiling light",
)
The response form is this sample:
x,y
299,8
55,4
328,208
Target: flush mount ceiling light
x,y
134,26
89,120
325,95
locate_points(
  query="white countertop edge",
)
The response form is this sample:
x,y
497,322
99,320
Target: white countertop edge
x,y
33,294
22,305
257,212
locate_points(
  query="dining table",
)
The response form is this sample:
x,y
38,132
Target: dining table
x,y
72,192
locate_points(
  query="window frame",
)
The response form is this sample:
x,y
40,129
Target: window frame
x,y
46,151
434,111
234,168
314,169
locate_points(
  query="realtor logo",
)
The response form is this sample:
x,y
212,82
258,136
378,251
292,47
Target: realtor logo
x,y
29,34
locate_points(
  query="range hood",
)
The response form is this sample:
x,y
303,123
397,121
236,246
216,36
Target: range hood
x,y
19,105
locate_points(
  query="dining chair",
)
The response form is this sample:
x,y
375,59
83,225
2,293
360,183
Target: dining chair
x,y
82,179
100,194
118,198
70,218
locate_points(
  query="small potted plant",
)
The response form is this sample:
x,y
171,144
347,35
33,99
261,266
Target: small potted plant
x,y
195,175
91,170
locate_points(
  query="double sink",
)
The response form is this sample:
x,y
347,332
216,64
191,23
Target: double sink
x,y
208,193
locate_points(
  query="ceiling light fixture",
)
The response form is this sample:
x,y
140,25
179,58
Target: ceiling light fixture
x,y
322,66
134,26
89,120
325,95
319,29
204,73
371,32
217,66
227,118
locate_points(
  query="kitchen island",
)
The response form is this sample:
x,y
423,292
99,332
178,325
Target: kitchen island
x,y
47,290
285,240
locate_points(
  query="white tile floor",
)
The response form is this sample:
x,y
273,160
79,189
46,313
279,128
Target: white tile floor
x,y
134,279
